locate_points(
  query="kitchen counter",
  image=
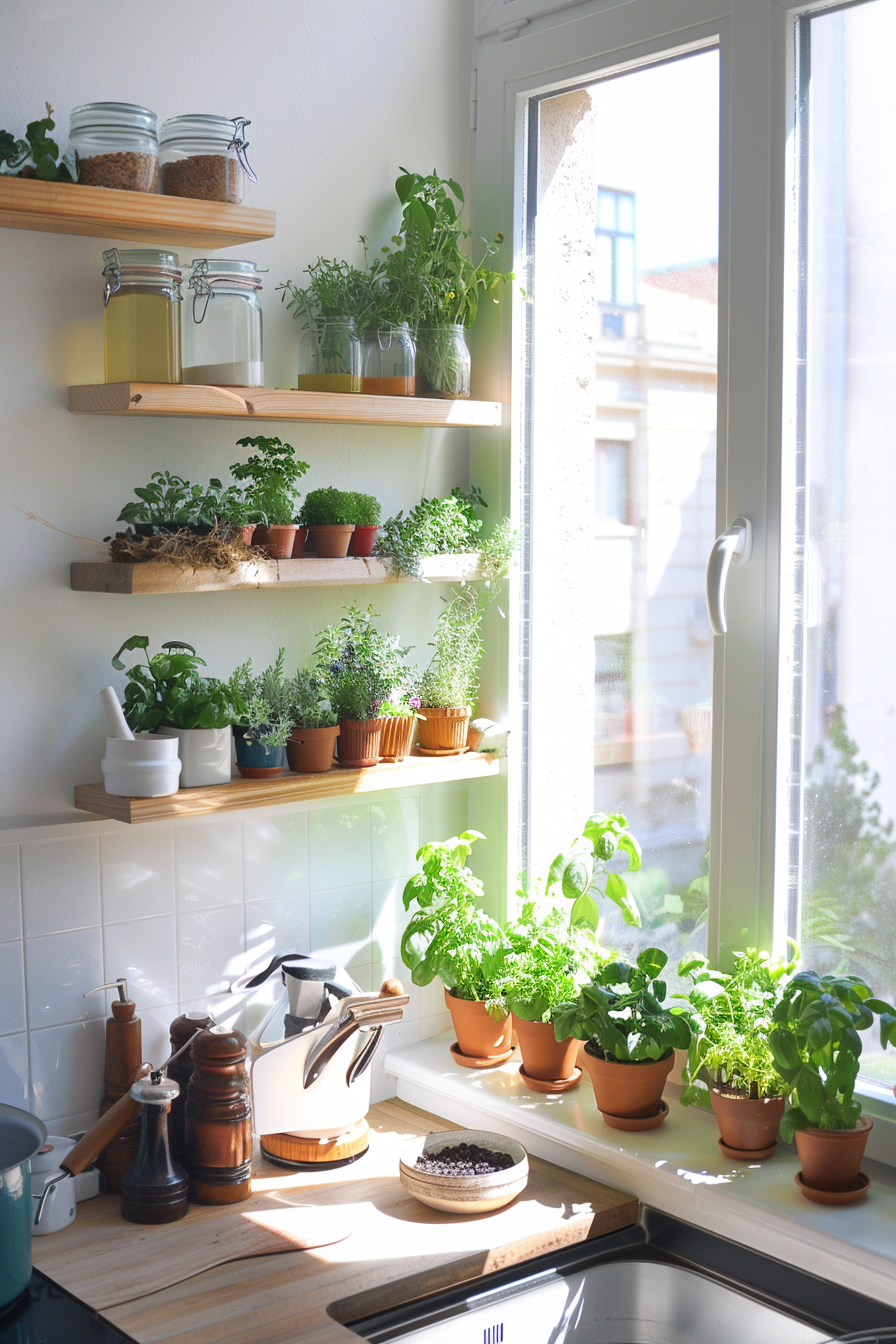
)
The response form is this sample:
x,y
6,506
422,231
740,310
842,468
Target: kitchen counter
x,y
398,1249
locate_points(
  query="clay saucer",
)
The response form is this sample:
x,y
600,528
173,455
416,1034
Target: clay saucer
x,y
475,1062
748,1154
443,751
550,1085
632,1124
851,1196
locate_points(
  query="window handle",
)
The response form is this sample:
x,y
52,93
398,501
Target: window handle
x,y
733,547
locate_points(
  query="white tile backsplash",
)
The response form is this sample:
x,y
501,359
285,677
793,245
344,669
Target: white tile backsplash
x,y
281,925
67,1068
208,861
394,837
210,950
12,988
340,925
275,856
137,874
144,951
10,894
15,1083
60,969
339,846
60,885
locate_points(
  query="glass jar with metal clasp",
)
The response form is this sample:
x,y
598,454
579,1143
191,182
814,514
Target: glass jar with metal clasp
x,y
141,321
204,157
222,326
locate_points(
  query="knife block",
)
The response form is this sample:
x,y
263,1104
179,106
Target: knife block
x,y
218,1119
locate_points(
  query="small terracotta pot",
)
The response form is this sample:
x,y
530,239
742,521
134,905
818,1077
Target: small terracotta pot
x,y
358,744
247,533
444,729
398,737
331,540
831,1158
298,546
545,1057
479,1036
309,751
363,539
629,1091
277,540
746,1123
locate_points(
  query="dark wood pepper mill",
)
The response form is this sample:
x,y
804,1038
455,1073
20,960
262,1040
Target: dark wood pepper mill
x,y
121,1067
182,1029
155,1188
218,1118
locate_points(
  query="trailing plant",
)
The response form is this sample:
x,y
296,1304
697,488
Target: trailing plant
x,y
448,934
620,1014
359,665
581,870
274,472
170,690
169,499
37,154
433,527
308,703
326,506
267,714
366,510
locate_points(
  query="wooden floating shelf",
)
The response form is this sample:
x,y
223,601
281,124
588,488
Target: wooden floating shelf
x,y
415,772
271,403
137,216
159,576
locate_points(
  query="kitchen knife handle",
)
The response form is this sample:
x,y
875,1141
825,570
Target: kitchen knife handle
x,y
107,1128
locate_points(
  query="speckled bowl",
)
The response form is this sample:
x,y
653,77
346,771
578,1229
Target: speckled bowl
x,y
464,1194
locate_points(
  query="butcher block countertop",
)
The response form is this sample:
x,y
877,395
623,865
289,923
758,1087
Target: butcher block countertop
x,y
397,1250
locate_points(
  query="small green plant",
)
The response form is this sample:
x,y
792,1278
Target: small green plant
x,y
265,696
274,472
581,872
621,1015
308,704
326,506
366,510
452,677
37,154
170,690
433,527
360,666
335,289
448,934
169,500
547,963
230,508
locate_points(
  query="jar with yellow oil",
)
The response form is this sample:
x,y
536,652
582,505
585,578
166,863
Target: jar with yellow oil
x,y
141,322
330,356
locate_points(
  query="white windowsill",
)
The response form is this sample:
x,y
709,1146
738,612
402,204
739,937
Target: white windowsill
x,y
676,1168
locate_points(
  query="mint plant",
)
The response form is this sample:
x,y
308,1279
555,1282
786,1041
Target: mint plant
x,y
37,154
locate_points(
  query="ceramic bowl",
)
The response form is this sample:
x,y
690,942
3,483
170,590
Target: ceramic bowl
x,y
464,1194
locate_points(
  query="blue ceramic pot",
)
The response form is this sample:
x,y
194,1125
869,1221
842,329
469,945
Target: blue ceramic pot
x,y
253,759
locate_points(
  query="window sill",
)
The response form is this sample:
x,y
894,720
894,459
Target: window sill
x,y
676,1168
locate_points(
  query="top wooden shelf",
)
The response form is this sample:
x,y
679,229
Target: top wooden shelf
x,y
137,216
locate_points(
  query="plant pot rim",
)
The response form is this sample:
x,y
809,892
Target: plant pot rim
x,y
298,733
862,1125
626,1062
343,527
737,1094
457,710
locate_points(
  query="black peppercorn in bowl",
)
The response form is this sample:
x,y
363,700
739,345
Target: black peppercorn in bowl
x,y
464,1170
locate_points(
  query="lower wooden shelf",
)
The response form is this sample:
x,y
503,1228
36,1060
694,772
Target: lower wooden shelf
x,y
414,772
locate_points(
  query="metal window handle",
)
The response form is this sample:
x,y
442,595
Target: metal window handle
x,y
733,547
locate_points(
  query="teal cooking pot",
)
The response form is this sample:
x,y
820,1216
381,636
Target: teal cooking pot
x,y
21,1135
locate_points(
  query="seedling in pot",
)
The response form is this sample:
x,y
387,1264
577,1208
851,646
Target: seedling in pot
x,y
170,690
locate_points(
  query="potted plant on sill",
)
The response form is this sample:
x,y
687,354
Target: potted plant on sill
x,y
366,513
232,512
328,514
168,503
169,696
732,1019
446,526
265,725
359,667
401,714
630,1039
450,936
273,473
312,742
816,1047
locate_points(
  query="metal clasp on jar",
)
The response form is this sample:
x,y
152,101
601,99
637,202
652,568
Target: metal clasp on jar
x,y
240,144
112,272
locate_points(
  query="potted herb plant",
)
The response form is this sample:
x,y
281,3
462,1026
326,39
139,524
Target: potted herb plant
x,y
366,513
328,514
401,714
446,526
359,666
232,512
312,742
581,872
265,724
337,303
630,1038
273,473
450,936
169,696
168,503
816,1047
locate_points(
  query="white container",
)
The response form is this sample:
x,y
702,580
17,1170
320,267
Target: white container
x,y
204,754
147,767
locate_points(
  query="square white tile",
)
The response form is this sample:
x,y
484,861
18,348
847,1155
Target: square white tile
x,y
275,856
67,1125
15,1082
274,926
208,862
389,918
154,1024
209,950
137,874
394,837
443,813
12,988
67,1068
60,885
59,970
339,847
10,894
340,925
144,951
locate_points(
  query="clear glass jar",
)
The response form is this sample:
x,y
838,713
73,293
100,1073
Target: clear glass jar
x,y
388,361
443,362
222,326
204,157
330,356
141,322
116,145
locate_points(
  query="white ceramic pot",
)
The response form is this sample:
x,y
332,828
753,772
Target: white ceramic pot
x,y
204,754
147,767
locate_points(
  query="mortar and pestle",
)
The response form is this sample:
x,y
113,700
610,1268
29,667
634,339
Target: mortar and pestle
x,y
145,766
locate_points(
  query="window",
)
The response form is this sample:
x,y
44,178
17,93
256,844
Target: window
x,y
611,476
615,262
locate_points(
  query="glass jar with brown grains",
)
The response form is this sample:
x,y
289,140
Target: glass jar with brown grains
x,y
116,145
204,157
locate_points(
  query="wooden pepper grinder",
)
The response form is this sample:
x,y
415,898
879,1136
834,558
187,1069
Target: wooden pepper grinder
x,y
218,1118
121,1066
180,1070
154,1190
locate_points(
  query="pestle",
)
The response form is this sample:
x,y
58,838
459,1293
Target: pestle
x,y
115,714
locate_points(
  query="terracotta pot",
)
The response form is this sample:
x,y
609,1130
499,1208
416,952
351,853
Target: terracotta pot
x,y
444,729
247,533
398,737
331,540
277,540
479,1036
362,540
746,1123
298,546
545,1057
309,751
831,1158
630,1091
358,743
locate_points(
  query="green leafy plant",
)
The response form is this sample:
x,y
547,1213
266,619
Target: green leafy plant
x,y
448,934
452,677
170,500
170,690
816,1047
267,705
621,1015
326,506
547,964
581,870
230,508
433,527
366,510
335,289
360,667
37,154
308,704
274,472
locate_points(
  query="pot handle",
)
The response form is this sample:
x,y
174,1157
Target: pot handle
x,y
107,1128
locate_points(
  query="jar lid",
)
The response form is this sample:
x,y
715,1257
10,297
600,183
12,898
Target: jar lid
x,y
132,265
129,115
197,126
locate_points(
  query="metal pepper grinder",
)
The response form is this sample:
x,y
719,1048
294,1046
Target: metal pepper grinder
x,y
155,1189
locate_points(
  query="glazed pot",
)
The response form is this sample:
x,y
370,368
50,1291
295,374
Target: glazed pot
x,y
444,730
331,540
831,1158
298,545
362,540
747,1124
277,540
254,760
630,1091
204,754
398,737
358,744
544,1057
479,1036
309,751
